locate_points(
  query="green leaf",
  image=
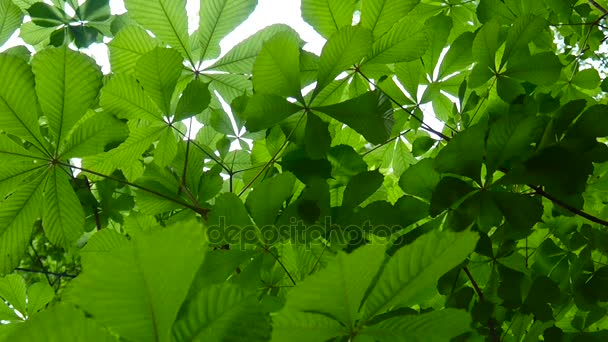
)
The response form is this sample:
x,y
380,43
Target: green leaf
x,y
448,192
420,179
510,139
17,164
240,58
195,98
92,133
62,217
592,123
509,89
318,138
459,56
414,269
12,290
337,290
276,70
524,30
46,326
223,312
486,43
67,84
421,145
543,68
305,327
437,326
94,10
17,215
521,212
167,19
587,79
158,72
268,196
127,47
360,187
328,16
38,296
344,49
380,16
10,19
219,17
18,103
144,269
370,114
45,15
228,213
406,41
265,111
124,97
463,154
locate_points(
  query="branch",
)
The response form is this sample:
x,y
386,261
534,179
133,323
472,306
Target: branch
x,y
480,295
568,206
598,7
202,211
64,275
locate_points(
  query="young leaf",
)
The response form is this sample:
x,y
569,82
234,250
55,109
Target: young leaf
x,y
219,17
67,84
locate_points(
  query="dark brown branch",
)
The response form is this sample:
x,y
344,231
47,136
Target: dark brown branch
x,y
481,299
568,206
46,273
598,7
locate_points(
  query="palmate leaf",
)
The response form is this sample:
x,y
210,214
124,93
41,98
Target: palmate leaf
x,y
67,84
218,18
17,164
240,59
276,69
158,72
413,270
52,325
328,16
345,48
13,290
154,271
436,326
370,114
223,313
380,15
337,290
62,216
167,19
17,215
10,19
128,46
18,103
124,97
524,30
92,133
405,41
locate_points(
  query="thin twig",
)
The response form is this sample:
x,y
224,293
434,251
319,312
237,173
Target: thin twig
x,y
481,299
598,7
281,263
46,273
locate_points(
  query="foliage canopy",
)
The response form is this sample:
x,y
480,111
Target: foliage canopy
x,y
343,215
